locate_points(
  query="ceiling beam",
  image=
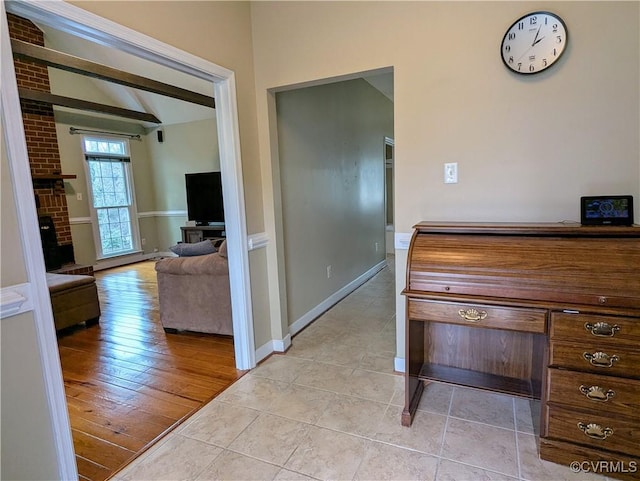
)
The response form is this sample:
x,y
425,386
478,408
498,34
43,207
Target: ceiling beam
x,y
77,104
70,63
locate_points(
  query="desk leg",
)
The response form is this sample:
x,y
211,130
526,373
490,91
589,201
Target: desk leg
x,y
413,386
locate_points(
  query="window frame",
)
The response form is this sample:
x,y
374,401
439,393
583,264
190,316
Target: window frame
x,y
132,207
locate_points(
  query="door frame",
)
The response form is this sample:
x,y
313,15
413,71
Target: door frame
x,y
71,19
388,141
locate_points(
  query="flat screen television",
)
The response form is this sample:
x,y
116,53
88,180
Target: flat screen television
x,y
204,198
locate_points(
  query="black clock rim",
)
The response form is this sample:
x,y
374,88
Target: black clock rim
x,y
537,12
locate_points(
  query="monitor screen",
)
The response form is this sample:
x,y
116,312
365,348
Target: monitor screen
x,y
205,203
607,210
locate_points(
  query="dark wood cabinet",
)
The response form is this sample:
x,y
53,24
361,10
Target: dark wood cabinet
x,y
544,311
192,234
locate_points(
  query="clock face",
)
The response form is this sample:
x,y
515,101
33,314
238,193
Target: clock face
x,y
534,43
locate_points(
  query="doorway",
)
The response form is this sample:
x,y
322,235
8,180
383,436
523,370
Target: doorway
x,y
330,176
143,383
389,182
71,19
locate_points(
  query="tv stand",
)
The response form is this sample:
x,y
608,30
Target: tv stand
x,y
191,234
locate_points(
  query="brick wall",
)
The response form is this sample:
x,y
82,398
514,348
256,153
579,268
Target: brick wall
x,y
40,132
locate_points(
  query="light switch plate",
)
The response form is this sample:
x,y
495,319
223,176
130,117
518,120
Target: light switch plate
x,y
451,173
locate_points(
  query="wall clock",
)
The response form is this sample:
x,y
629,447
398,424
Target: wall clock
x,y
534,42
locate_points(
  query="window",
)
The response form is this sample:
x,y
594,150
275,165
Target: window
x,y
112,201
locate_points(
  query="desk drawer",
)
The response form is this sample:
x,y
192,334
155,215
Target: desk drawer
x,y
478,315
595,431
593,357
585,327
601,394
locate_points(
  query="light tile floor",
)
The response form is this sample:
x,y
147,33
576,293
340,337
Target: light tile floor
x,y
329,409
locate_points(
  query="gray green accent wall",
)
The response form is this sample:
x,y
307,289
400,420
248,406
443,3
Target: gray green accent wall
x,y
188,147
158,177
331,146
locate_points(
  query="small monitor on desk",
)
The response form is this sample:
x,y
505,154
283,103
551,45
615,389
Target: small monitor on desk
x,y
606,210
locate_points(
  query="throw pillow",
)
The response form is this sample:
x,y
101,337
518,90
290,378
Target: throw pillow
x,y
184,249
222,249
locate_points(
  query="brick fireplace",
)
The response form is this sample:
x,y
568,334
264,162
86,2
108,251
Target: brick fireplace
x,y
42,147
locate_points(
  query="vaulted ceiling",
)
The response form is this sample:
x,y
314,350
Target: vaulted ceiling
x,y
168,110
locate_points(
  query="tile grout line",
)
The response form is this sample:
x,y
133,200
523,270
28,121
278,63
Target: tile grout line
x,y
444,434
515,424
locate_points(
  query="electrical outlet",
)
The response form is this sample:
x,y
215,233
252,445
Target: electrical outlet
x,y
328,272
451,173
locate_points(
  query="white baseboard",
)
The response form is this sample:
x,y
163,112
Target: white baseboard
x,y
263,351
283,345
399,364
273,346
266,350
325,305
130,259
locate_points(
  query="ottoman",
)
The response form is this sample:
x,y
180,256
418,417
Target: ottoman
x,y
74,299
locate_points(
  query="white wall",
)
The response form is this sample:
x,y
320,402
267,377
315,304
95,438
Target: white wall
x,y
331,144
27,450
527,147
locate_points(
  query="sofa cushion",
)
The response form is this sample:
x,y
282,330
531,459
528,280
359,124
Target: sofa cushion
x,y
222,249
210,264
61,282
185,249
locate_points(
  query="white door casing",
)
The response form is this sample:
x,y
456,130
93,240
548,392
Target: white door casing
x,y
71,19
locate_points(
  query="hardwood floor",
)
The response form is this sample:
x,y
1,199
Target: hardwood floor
x,y
127,382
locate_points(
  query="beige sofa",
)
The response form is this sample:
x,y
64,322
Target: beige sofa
x,y
193,293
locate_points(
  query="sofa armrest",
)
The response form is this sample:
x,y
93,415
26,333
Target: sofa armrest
x,y
211,264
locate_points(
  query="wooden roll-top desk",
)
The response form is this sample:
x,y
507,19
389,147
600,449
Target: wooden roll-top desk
x,y
543,311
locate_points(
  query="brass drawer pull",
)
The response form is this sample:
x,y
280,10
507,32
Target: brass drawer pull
x,y
602,329
600,359
595,431
472,315
596,393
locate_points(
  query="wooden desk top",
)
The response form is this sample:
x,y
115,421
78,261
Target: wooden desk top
x,y
527,228
559,264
